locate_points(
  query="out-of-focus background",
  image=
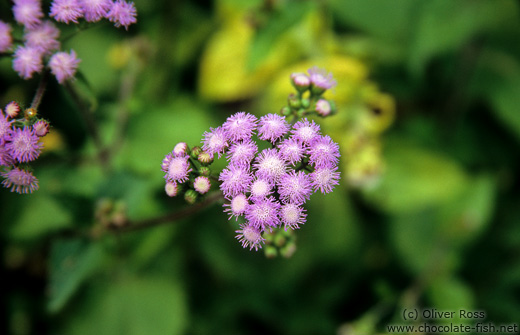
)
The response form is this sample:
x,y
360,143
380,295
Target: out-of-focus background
x,y
427,213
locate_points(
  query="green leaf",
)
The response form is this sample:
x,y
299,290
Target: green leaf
x,y
38,215
278,22
445,25
154,133
505,97
466,218
132,305
414,237
416,178
386,19
451,294
92,46
72,262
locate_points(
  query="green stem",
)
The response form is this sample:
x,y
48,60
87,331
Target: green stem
x,y
40,90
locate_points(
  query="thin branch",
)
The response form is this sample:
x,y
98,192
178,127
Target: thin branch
x,y
40,90
170,217
90,122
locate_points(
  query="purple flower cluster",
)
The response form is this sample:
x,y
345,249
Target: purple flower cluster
x,y
29,12
41,37
19,145
268,188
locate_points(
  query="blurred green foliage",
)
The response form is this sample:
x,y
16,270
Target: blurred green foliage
x,y
426,216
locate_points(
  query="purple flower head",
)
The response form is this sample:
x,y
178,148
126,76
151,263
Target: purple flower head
x,y
269,165
242,153
292,216
5,127
5,37
295,187
235,180
178,168
20,181
323,107
12,109
324,179
250,236
95,10
260,188
43,38
180,149
202,184
66,11
240,126
166,162
320,78
122,13
64,65
41,128
272,127
300,81
323,152
291,150
27,61
171,188
237,206
215,141
23,144
305,131
263,213
28,12
5,157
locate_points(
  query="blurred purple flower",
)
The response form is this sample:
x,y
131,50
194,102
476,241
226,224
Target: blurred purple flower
x,y
122,13
27,61
6,40
28,12
43,38
66,11
64,65
95,10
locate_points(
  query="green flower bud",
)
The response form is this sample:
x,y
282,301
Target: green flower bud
x,y
190,196
294,102
288,250
205,158
195,152
30,113
279,240
270,251
306,103
205,171
286,111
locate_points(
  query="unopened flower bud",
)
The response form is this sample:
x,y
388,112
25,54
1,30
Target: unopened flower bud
x,y
195,152
41,128
30,113
205,171
202,184
288,250
270,251
294,102
323,107
180,149
12,109
268,236
171,188
279,240
286,111
190,196
205,158
300,81
306,103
